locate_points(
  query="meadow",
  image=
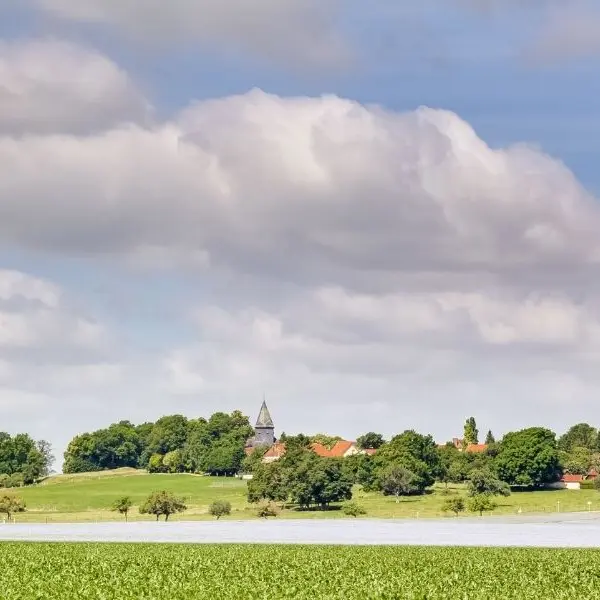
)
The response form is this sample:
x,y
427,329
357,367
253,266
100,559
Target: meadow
x,y
88,497
56,571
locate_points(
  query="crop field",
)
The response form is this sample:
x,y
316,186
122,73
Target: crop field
x,y
87,497
31,571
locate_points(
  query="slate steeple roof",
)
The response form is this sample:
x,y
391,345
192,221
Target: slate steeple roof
x,y
264,420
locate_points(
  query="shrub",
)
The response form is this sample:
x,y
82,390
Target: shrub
x,y
455,505
4,480
16,480
267,510
10,504
481,503
588,484
597,483
353,509
220,508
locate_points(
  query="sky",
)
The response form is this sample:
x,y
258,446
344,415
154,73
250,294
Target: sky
x,y
380,216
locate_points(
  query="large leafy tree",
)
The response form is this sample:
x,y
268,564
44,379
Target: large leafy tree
x,y
415,452
21,455
528,457
578,460
581,435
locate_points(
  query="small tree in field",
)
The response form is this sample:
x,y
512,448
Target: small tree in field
x,y
266,510
481,503
10,504
398,481
162,503
220,508
455,505
353,509
122,505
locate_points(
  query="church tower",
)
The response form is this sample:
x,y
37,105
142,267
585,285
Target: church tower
x,y
264,430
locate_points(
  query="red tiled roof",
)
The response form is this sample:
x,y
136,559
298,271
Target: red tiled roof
x,y
571,478
476,448
320,450
340,448
277,450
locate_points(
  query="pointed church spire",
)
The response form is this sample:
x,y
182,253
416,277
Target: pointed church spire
x,y
264,418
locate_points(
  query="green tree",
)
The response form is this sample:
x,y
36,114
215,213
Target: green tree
x,y
269,482
173,461
122,506
482,503
578,460
10,504
156,464
320,481
471,434
455,505
168,433
162,503
370,440
416,453
484,482
597,483
396,480
220,508
528,458
581,435
489,438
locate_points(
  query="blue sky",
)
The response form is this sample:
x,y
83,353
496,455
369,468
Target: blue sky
x,y
200,205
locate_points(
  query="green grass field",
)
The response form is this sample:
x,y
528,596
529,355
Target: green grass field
x,y
58,571
88,497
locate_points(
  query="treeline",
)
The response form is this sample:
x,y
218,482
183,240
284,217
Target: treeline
x,y
23,460
173,444
410,463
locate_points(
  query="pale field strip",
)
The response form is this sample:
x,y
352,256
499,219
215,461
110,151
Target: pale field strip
x,y
575,530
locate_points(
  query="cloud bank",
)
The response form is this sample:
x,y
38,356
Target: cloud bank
x,y
380,269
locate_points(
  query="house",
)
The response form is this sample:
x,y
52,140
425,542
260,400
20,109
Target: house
x,y
572,481
341,449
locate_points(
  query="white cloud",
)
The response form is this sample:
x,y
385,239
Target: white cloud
x,y
301,31
339,257
316,185
49,86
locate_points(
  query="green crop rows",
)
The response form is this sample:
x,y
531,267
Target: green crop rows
x,y
182,572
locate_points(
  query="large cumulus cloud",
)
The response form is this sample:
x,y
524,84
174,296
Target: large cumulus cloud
x,y
313,186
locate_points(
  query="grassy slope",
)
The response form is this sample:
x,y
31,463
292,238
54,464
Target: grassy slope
x,y
88,497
